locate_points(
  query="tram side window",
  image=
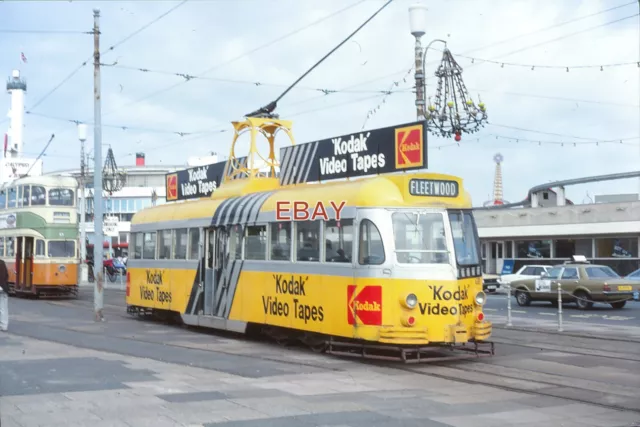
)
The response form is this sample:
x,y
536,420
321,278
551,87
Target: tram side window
x,y
40,248
12,197
149,246
10,247
61,197
235,242
38,196
137,245
164,244
62,249
26,195
280,241
308,240
180,243
194,242
19,196
370,247
1,246
256,243
339,240
3,199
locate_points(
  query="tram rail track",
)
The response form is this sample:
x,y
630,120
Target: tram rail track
x,y
456,372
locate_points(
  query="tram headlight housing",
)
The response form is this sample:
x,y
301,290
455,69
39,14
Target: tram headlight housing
x,y
411,301
481,298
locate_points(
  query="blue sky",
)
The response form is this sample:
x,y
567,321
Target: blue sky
x,y
546,105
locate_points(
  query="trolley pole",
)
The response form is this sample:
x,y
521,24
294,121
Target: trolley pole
x,y
97,174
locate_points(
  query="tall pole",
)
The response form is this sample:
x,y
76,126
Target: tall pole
x,y
97,173
420,101
83,213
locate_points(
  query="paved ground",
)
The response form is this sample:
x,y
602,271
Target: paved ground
x,y
59,368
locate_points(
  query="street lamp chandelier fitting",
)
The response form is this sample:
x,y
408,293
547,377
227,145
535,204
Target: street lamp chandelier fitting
x,y
453,111
113,180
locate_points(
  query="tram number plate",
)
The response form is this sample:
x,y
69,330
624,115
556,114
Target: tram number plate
x,y
636,295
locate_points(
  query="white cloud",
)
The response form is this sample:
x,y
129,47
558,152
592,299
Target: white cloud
x,y
202,34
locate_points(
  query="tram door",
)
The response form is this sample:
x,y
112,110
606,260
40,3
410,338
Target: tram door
x,y
27,263
18,268
209,263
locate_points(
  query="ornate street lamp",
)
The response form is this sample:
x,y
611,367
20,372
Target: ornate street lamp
x,y
453,111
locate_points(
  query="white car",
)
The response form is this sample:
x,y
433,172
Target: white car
x,y
525,272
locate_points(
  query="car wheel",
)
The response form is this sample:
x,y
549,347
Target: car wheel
x,y
583,301
523,298
618,305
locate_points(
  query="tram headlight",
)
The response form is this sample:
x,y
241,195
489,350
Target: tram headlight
x,y
62,268
481,298
411,301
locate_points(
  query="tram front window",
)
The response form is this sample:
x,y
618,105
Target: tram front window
x,y
465,240
419,238
62,249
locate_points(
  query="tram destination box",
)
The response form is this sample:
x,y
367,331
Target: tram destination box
x,y
370,152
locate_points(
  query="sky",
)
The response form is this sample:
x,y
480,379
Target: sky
x,y
543,121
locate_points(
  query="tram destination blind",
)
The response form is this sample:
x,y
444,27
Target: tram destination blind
x,y
433,188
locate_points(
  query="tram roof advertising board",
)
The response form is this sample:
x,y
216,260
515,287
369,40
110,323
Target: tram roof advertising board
x,y
371,152
198,181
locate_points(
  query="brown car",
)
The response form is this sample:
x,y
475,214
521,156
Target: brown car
x,y
581,282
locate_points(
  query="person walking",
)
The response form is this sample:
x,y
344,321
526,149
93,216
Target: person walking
x,y
4,297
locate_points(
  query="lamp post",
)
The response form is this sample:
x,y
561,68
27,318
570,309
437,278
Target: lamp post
x,y
84,275
417,24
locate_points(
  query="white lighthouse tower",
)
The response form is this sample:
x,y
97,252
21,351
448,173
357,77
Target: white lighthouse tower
x,y
13,164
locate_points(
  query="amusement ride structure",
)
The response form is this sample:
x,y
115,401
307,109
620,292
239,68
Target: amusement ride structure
x,y
497,183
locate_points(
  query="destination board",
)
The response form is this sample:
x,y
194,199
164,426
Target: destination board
x,y
433,188
371,152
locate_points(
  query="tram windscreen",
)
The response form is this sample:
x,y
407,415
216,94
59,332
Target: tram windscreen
x,y
62,249
465,238
420,238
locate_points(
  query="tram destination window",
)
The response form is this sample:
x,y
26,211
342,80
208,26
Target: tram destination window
x,y
280,241
61,197
308,240
194,242
465,239
339,240
255,243
149,246
61,249
164,244
180,243
419,238
370,247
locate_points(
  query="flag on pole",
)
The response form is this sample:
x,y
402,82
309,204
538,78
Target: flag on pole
x,y
24,58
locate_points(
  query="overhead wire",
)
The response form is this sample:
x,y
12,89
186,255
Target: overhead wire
x,y
242,55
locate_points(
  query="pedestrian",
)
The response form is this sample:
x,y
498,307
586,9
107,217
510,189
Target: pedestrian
x,y
4,297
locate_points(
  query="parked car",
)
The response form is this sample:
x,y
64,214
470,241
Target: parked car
x,y
490,282
582,282
525,272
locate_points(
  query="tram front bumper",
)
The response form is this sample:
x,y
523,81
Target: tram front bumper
x,y
452,334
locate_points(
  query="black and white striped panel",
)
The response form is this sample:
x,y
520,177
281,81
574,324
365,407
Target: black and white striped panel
x,y
241,163
226,288
466,272
240,210
296,163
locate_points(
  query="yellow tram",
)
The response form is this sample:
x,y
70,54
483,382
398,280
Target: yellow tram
x,y
38,235
389,262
